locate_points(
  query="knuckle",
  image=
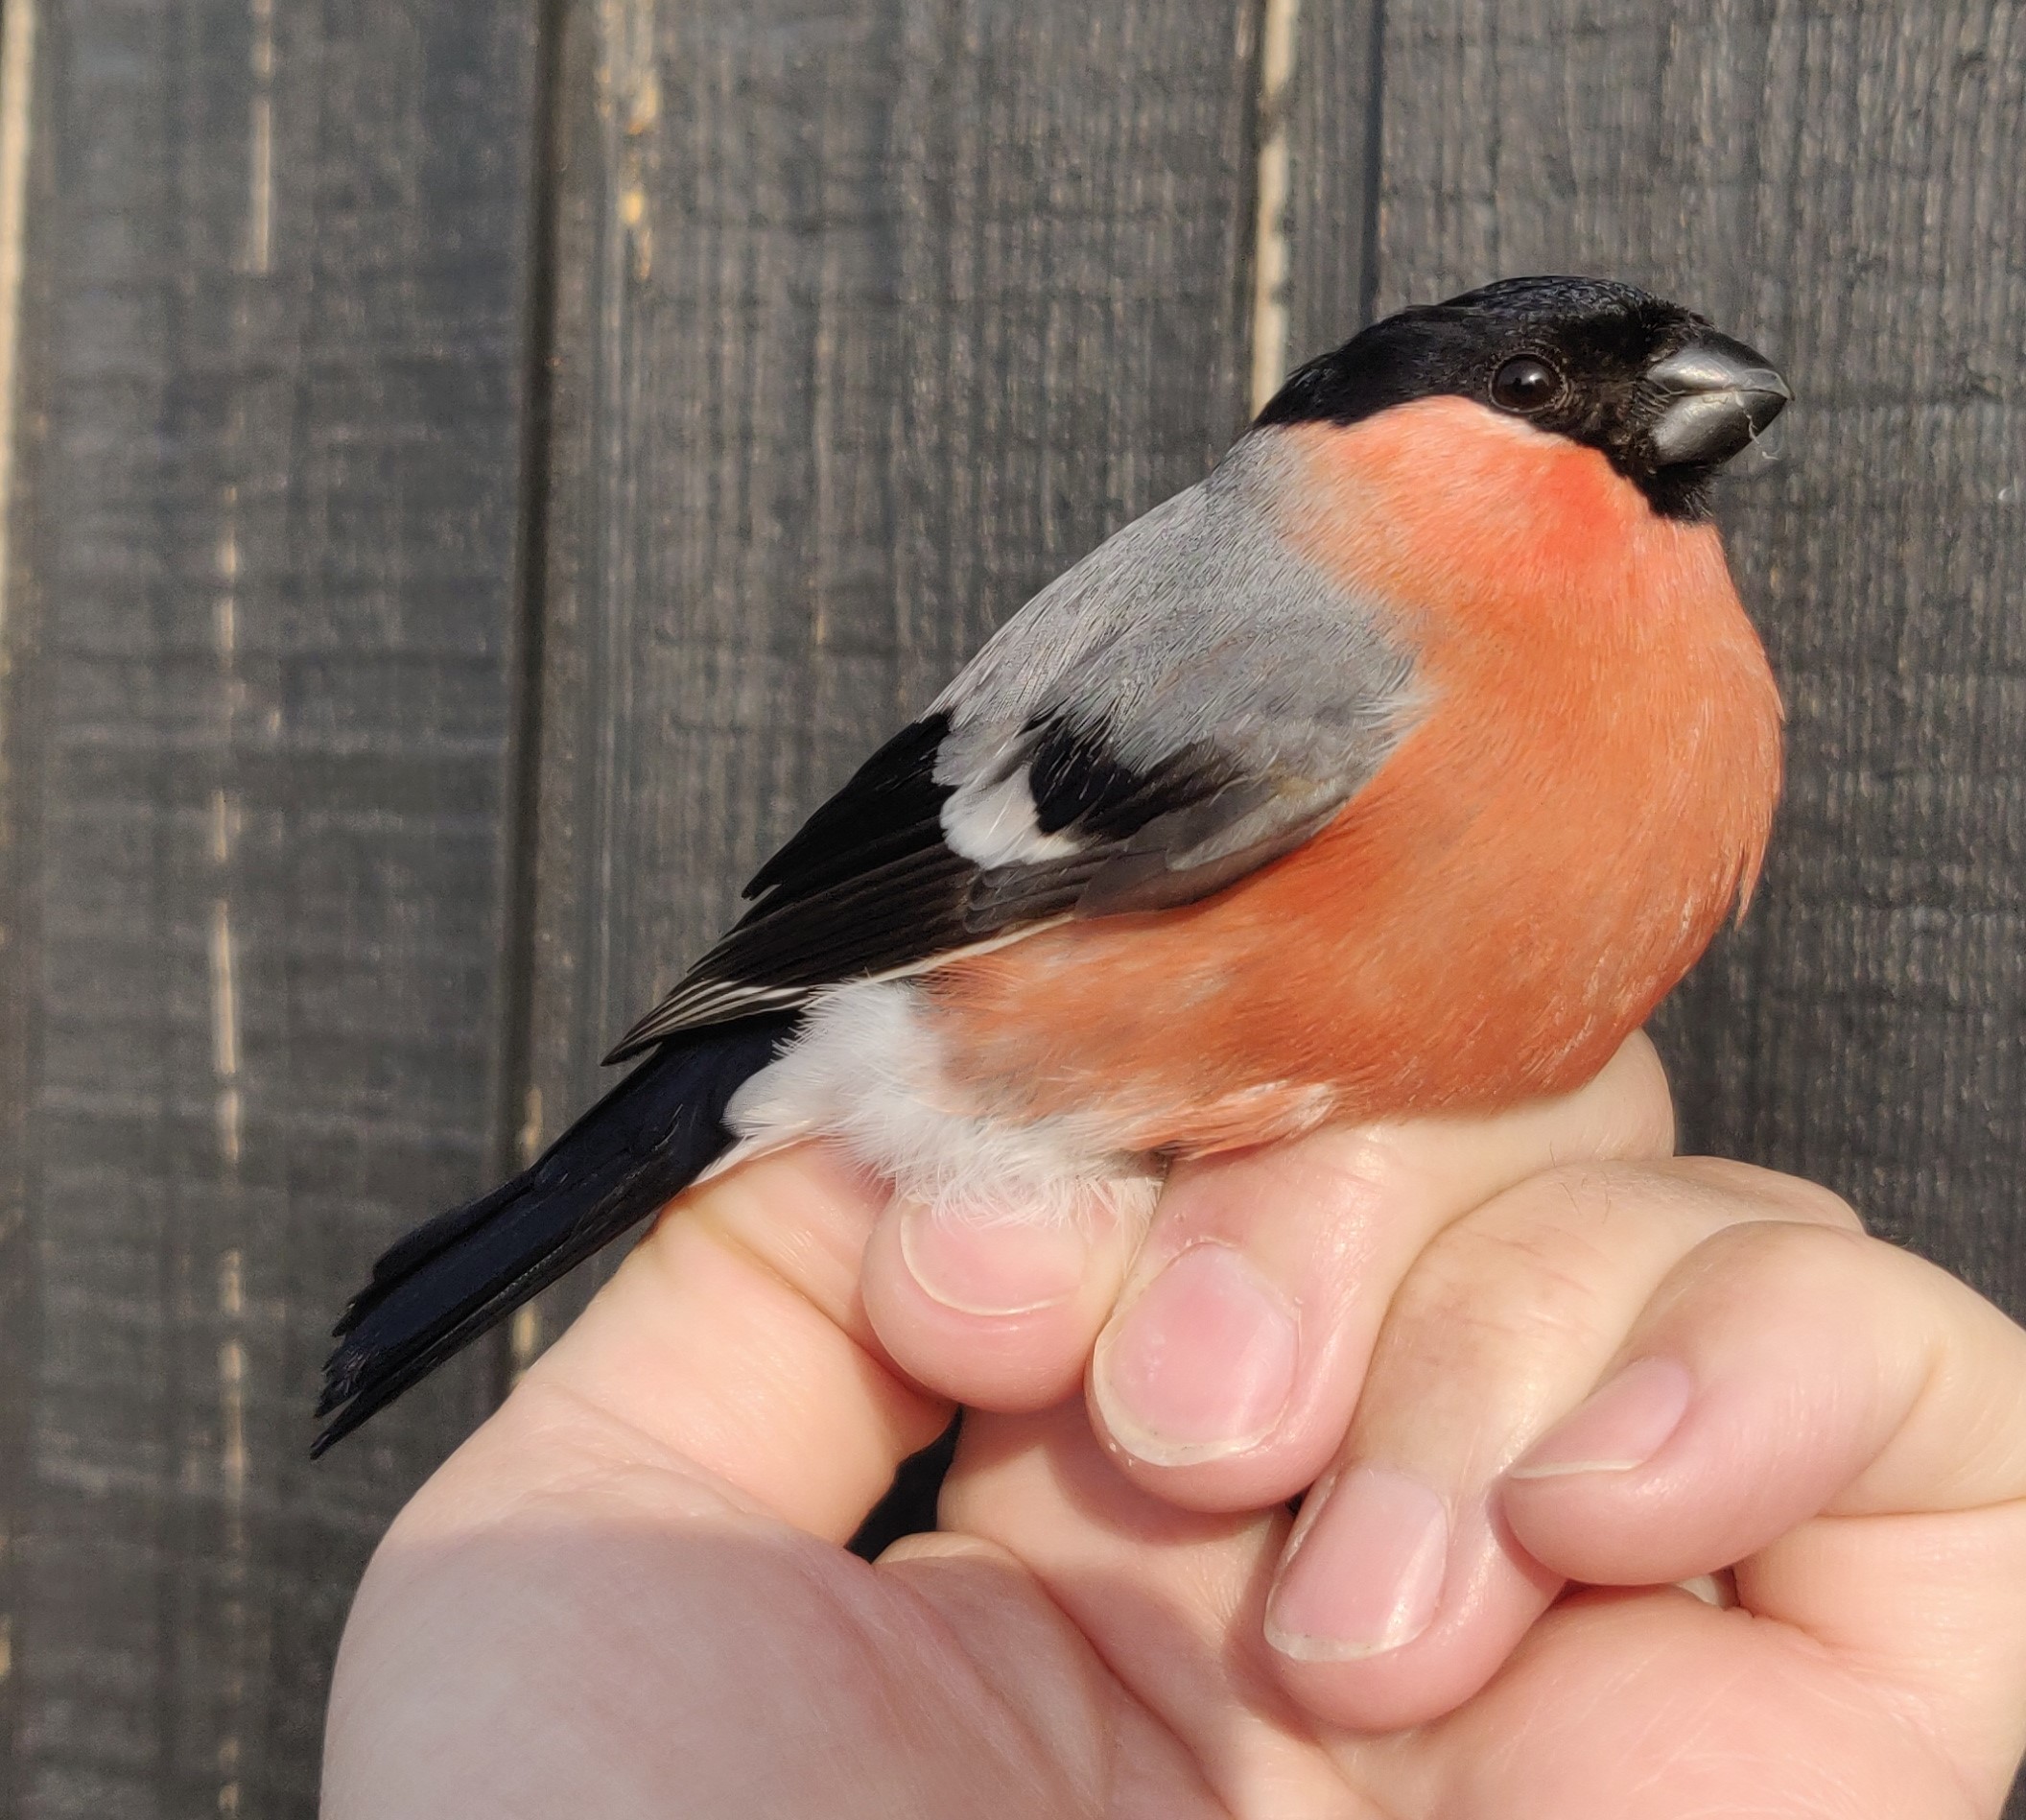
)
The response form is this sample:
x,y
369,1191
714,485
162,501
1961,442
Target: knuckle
x,y
1573,1205
1773,1195
1348,1171
1785,1245
1813,1204
1335,1188
1536,1266
1786,1261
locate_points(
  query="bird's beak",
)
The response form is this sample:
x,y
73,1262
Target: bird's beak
x,y
1718,395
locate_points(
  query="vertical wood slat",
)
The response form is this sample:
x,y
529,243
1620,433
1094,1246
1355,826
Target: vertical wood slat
x,y
19,24
1841,183
1334,113
872,318
1836,183
257,707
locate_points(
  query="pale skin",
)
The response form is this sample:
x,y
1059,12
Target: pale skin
x,y
627,1595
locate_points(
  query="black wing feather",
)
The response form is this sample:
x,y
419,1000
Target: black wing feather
x,y
869,886
1079,782
890,809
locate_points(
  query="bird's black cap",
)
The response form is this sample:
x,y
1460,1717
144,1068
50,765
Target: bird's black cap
x,y
1664,398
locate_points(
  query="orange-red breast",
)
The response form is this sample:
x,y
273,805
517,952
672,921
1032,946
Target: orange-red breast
x,y
1401,765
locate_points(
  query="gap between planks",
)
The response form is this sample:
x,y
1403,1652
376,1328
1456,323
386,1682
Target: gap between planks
x,y
17,57
1279,20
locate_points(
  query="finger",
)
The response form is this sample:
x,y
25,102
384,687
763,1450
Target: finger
x,y
1000,1312
1783,1371
1403,1590
1844,1421
1229,1373
1646,1703
731,1349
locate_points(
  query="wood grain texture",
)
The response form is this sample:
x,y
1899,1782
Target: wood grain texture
x,y
20,767
1334,119
873,316
260,674
1832,182
1838,184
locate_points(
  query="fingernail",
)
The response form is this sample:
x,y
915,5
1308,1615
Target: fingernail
x,y
1202,1363
1622,1426
999,1267
1366,1575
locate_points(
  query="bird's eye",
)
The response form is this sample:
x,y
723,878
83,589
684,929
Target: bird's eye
x,y
1525,383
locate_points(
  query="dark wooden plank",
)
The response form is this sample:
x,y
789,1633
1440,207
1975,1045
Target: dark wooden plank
x,y
18,841
873,316
262,599
1836,182
1333,125
1840,182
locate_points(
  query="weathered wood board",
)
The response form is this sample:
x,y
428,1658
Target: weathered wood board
x,y
871,319
259,650
1840,182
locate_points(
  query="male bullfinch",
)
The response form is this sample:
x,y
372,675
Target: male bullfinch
x,y
1399,766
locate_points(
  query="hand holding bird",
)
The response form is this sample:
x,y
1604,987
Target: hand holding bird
x,y
1569,1357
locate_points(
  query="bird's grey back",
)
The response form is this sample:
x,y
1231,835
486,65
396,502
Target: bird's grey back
x,y
1197,621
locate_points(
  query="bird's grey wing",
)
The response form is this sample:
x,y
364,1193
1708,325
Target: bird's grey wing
x,y
1193,700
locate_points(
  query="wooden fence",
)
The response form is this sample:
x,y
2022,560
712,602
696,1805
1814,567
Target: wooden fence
x,y
475,472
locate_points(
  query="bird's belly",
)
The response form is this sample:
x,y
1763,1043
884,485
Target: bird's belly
x,y
871,1068
1474,932
1408,961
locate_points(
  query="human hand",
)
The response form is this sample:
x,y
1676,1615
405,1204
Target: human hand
x,y
626,1593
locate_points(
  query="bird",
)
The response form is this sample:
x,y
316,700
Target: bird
x,y
1399,766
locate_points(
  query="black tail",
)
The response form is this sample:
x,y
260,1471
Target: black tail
x,y
450,1280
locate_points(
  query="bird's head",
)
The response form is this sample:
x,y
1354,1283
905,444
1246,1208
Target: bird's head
x,y
1664,398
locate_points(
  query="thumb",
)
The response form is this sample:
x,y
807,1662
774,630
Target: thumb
x,y
730,1347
